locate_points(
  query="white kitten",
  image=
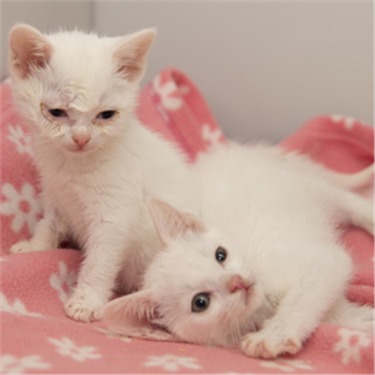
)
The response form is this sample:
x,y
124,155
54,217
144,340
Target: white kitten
x,y
263,267
78,92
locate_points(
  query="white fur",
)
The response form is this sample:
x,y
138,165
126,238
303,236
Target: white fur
x,y
276,214
94,171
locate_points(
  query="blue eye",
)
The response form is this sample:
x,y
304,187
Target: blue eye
x,y
57,112
106,115
220,254
200,302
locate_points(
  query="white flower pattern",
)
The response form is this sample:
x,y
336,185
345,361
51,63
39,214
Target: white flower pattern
x,y
211,137
346,120
350,345
17,307
25,206
67,348
171,363
21,140
168,94
63,281
11,364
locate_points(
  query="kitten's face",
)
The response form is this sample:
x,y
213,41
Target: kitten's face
x,y
205,292
199,289
79,117
76,89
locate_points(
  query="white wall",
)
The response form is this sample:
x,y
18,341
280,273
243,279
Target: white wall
x,y
264,68
47,16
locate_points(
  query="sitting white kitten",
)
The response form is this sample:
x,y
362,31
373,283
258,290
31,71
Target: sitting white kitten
x,y
78,92
262,268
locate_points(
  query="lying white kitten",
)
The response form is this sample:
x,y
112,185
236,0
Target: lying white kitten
x,y
78,92
263,267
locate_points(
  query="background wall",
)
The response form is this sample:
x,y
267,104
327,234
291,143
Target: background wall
x,y
264,68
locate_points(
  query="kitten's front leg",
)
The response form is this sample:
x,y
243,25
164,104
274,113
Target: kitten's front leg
x,y
103,258
301,310
47,235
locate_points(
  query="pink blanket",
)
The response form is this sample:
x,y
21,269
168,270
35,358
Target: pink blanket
x,y
36,335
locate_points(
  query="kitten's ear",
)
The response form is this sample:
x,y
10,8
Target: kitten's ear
x,y
28,49
171,223
130,55
132,315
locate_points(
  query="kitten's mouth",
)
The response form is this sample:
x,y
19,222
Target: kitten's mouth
x,y
247,294
81,149
237,284
74,149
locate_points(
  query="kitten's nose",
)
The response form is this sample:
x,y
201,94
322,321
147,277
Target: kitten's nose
x,y
81,139
236,282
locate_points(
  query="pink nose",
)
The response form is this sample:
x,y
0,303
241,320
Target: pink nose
x,y
236,282
81,140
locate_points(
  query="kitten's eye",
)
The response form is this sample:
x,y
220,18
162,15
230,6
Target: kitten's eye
x,y
106,115
200,302
57,112
220,254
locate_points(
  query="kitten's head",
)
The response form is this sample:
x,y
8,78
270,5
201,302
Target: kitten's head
x,y
76,89
196,290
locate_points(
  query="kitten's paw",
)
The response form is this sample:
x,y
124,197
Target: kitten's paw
x,y
84,307
269,345
21,247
